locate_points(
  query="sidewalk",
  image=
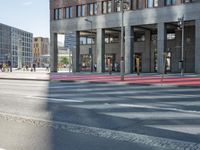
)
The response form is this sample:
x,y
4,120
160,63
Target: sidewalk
x,y
143,79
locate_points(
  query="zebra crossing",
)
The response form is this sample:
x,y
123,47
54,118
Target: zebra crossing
x,y
161,114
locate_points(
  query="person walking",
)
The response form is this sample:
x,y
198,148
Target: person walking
x,y
1,66
10,66
109,66
34,67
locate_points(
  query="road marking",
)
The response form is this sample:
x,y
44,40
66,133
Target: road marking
x,y
2,149
55,99
131,137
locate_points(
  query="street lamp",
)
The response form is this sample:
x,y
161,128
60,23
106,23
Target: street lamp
x,y
122,64
90,51
181,26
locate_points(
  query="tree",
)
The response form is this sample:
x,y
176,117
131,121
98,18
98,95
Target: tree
x,y
64,60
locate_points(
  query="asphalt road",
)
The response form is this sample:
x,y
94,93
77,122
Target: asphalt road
x,y
38,115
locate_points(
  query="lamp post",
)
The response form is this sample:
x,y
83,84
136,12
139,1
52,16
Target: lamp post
x,y
182,26
122,63
90,51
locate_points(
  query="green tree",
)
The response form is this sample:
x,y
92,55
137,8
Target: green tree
x,y
64,60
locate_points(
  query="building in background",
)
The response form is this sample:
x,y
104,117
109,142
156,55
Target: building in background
x,y
41,51
15,46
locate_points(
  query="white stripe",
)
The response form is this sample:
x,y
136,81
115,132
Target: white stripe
x,y
55,99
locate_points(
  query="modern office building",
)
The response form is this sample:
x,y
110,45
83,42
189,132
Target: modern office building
x,y
40,51
158,35
15,46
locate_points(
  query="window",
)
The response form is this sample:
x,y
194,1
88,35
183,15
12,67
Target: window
x,y
91,10
80,10
152,3
57,13
187,1
106,7
118,6
171,36
129,4
68,12
92,7
83,10
95,8
149,3
170,2
83,40
109,6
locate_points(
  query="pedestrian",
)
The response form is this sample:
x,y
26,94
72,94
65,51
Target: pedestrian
x,y
34,67
109,66
1,66
4,67
116,65
47,67
95,67
10,66
27,68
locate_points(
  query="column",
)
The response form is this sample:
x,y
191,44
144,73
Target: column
x,y
128,45
100,47
161,46
197,46
76,54
146,61
53,52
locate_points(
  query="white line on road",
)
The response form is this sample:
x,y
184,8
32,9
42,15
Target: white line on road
x,y
55,99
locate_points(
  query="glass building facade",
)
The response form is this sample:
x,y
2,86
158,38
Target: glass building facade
x,y
15,46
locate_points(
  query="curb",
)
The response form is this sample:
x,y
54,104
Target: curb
x,y
25,79
103,82
121,83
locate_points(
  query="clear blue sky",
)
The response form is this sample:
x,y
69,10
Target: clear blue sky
x,y
28,15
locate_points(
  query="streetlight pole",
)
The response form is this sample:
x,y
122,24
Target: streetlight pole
x,y
90,51
122,64
182,27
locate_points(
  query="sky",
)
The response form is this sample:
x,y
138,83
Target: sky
x,y
28,15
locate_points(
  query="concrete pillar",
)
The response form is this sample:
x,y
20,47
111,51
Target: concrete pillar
x,y
146,60
100,47
76,54
161,46
197,46
128,50
53,52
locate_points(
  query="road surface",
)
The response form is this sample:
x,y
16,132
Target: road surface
x,y
41,115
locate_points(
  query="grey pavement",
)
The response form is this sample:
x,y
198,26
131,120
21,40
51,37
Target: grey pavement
x,y
83,116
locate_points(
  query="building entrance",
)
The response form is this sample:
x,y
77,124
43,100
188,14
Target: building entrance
x,y
85,62
109,60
